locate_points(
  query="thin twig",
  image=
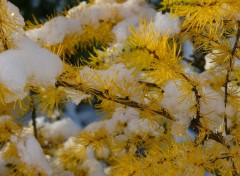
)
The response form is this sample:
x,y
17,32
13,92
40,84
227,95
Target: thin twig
x,y
33,117
34,122
153,85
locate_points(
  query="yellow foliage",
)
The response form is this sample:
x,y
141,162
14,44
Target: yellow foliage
x,y
144,133
50,98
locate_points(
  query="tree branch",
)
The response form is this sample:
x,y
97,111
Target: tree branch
x,y
117,99
148,84
228,75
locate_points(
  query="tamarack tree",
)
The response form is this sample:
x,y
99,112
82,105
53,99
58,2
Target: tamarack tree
x,y
162,116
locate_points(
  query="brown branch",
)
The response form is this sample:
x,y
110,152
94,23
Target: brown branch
x,y
228,75
148,84
117,99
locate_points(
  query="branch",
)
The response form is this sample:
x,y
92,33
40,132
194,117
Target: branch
x,y
195,123
148,84
228,75
117,99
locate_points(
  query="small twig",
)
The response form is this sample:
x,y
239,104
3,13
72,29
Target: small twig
x,y
34,122
33,117
148,84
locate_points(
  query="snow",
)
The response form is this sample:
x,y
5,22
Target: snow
x,y
76,9
83,15
28,63
15,17
121,30
63,129
181,110
211,106
125,114
130,116
115,73
76,96
30,152
94,127
131,19
93,166
166,25
63,26
213,109
144,126
134,7
209,60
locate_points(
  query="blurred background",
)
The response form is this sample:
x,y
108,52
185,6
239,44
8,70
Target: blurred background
x,y
43,8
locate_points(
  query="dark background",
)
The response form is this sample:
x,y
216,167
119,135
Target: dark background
x,y
43,8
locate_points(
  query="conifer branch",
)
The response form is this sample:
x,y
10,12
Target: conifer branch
x,y
226,94
117,99
197,96
194,87
195,123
